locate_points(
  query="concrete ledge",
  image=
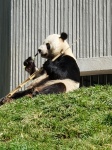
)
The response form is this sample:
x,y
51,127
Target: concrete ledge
x,y
95,66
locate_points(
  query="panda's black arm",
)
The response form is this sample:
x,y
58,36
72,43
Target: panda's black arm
x,y
53,70
64,67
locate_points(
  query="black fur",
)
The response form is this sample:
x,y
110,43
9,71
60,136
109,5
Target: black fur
x,y
63,36
48,46
28,61
2,101
54,88
22,93
29,65
65,67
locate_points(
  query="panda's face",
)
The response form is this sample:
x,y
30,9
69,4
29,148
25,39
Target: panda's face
x,y
51,47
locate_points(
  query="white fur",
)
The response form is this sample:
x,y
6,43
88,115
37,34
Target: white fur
x,y
69,84
57,45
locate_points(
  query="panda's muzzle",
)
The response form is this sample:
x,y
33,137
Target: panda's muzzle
x,y
44,55
39,50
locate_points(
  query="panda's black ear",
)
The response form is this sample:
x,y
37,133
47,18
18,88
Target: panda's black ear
x,y
63,36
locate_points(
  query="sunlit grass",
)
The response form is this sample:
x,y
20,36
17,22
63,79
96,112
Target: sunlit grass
x,y
80,120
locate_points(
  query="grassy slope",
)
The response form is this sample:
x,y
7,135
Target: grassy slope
x,y
80,120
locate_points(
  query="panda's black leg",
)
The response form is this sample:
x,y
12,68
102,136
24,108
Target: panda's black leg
x,y
22,93
15,96
51,89
35,93
2,101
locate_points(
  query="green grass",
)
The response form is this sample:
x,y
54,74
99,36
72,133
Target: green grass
x,y
79,120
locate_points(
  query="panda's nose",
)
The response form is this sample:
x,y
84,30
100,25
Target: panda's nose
x,y
39,50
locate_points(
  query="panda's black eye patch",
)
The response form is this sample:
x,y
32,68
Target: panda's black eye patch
x,y
48,46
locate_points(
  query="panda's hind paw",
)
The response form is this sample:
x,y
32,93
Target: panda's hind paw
x,y
35,93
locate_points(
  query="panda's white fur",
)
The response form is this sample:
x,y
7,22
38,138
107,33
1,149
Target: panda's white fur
x,y
69,84
62,75
57,45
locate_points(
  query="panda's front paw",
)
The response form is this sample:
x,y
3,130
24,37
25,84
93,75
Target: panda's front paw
x,y
47,64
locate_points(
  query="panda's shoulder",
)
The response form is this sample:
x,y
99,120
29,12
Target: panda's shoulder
x,y
66,58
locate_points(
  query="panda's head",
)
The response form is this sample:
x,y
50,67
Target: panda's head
x,y
53,45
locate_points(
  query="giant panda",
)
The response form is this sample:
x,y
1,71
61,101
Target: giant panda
x,y
59,75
